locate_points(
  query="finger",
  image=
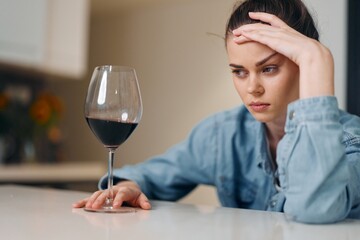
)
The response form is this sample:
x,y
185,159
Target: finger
x,y
272,41
119,198
268,38
80,204
133,197
288,45
144,202
273,38
100,200
125,194
92,199
261,27
241,39
268,18
240,32
255,27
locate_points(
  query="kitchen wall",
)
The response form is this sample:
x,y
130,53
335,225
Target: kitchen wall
x,y
177,50
331,18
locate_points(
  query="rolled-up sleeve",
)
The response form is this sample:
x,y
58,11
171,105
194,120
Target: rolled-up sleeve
x,y
318,167
179,170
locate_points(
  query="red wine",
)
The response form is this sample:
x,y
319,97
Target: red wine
x,y
111,133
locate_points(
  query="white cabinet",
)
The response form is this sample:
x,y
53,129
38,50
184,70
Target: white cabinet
x,y
50,36
23,31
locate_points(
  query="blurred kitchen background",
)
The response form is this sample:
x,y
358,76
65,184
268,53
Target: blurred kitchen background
x,y
48,49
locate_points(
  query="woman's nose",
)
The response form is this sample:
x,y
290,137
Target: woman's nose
x,y
254,86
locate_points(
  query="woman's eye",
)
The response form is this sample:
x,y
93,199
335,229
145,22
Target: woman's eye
x,y
270,69
239,73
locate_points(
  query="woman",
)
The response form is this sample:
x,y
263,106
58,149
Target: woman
x,y
289,148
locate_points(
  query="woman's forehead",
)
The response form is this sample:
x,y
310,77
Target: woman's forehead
x,y
249,52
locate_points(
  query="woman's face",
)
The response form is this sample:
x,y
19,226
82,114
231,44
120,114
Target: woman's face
x,y
265,80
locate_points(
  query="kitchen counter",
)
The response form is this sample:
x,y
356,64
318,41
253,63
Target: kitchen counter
x,y
34,213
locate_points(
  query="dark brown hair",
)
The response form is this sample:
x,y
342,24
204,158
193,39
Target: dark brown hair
x,y
293,12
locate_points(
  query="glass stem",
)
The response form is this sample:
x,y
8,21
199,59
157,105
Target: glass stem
x,y
110,198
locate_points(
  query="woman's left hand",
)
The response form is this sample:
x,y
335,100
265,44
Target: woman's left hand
x,y
315,61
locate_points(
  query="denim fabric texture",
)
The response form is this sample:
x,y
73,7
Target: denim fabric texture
x,y
318,163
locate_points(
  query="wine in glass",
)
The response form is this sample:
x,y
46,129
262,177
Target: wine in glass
x,y
113,109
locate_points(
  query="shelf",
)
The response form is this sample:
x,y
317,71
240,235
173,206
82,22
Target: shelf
x,y
52,173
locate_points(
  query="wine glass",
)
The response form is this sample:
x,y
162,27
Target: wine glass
x,y
113,109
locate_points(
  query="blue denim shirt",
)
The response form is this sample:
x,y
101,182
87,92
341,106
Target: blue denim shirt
x,y
318,163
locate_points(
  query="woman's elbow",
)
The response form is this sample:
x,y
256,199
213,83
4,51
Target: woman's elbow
x,y
321,211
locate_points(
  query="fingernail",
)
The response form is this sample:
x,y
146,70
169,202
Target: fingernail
x,y
147,204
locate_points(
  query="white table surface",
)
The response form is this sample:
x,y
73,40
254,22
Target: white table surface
x,y
34,213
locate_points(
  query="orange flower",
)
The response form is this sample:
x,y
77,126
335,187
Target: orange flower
x,y
56,105
46,109
40,111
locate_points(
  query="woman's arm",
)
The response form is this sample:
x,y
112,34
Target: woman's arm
x,y
315,164
169,176
319,176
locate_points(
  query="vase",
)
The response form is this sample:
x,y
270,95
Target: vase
x,y
2,150
29,152
10,149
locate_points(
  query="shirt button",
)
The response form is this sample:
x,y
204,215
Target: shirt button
x,y
291,115
273,203
222,179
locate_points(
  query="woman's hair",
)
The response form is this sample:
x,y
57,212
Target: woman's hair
x,y
293,12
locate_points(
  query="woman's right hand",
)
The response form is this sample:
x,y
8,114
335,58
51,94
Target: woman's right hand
x,y
124,192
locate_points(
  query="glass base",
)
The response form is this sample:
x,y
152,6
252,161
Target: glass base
x,y
112,210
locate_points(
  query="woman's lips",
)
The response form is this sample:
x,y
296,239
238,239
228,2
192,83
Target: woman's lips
x,y
259,107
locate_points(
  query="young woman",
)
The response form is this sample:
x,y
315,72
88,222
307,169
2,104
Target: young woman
x,y
288,148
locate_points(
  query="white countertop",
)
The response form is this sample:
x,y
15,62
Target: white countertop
x,y
34,213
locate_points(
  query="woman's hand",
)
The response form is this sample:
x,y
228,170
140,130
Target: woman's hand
x,y
315,61
124,192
